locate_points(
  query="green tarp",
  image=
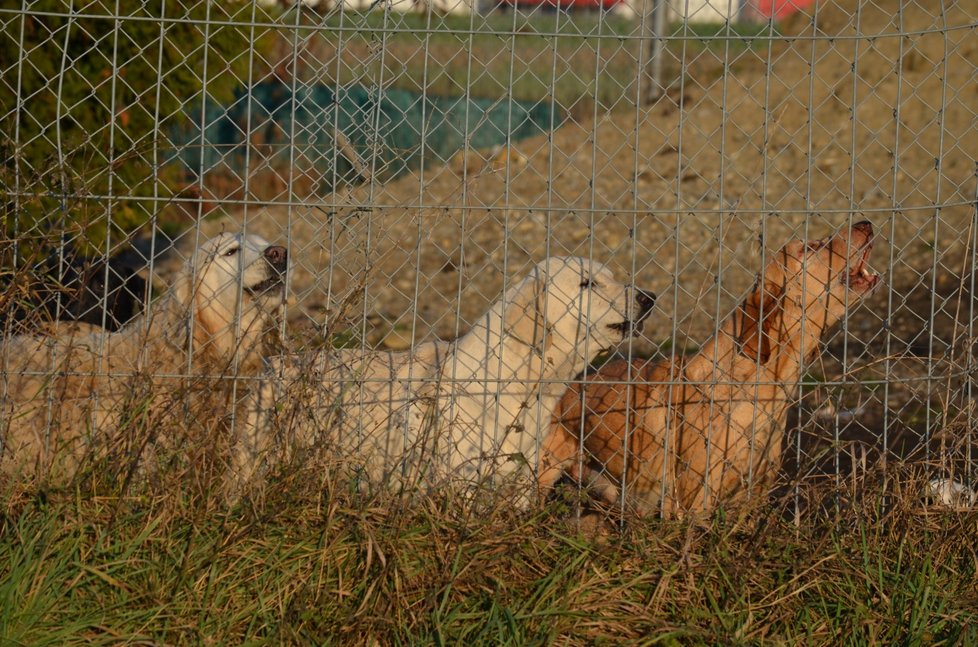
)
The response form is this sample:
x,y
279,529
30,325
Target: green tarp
x,y
387,131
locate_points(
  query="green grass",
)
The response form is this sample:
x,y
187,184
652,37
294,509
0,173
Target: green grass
x,y
322,568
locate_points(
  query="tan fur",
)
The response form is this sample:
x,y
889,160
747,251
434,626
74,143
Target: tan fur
x,y
78,390
689,434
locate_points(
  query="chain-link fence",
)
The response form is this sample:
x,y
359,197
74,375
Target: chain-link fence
x,y
420,164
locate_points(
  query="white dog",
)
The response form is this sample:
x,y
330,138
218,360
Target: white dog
x,y
474,408
361,407
82,388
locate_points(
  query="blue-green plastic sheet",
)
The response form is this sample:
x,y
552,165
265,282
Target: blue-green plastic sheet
x,y
390,131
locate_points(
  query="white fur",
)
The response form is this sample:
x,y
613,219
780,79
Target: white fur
x,y
950,494
472,409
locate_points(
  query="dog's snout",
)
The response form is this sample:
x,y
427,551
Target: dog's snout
x,y
864,226
278,256
645,299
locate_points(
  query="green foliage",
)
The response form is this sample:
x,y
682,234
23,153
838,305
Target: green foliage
x,y
89,89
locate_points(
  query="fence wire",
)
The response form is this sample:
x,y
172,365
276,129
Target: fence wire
x,y
418,161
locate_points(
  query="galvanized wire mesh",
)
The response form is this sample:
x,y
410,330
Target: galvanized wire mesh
x,y
418,161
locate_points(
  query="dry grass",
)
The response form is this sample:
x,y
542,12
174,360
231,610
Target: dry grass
x,y
315,565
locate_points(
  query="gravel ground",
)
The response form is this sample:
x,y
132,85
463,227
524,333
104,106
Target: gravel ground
x,y
686,198
676,196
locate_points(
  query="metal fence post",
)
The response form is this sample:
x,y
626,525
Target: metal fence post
x,y
654,30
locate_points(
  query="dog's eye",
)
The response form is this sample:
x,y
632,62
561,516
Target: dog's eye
x,y
589,283
231,252
815,245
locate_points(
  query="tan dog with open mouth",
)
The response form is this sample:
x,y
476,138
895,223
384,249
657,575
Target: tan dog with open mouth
x,y
473,409
699,431
72,393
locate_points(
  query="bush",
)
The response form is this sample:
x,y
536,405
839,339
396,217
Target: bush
x,y
90,90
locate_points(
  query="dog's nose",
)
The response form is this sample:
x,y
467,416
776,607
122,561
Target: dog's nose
x,y
277,255
645,299
864,226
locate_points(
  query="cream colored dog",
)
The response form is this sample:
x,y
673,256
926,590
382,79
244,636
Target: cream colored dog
x,y
81,388
359,408
472,409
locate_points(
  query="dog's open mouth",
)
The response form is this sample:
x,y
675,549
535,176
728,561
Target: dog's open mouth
x,y
271,284
860,278
632,327
629,328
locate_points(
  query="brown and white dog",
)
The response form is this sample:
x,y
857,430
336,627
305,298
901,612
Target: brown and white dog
x,y
695,432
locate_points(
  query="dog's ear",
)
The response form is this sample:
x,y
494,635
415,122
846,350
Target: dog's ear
x,y
205,322
756,322
523,317
209,326
214,322
183,290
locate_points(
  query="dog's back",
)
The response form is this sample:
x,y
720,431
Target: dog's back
x,y
624,413
364,410
45,379
677,435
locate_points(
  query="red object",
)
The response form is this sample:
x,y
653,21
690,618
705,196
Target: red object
x,y
778,8
565,4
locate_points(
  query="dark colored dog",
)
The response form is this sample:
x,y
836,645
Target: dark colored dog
x,y
70,287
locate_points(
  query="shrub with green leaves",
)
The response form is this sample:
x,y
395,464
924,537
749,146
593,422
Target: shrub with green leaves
x,y
89,90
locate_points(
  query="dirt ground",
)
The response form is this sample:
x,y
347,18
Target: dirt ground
x,y
687,196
